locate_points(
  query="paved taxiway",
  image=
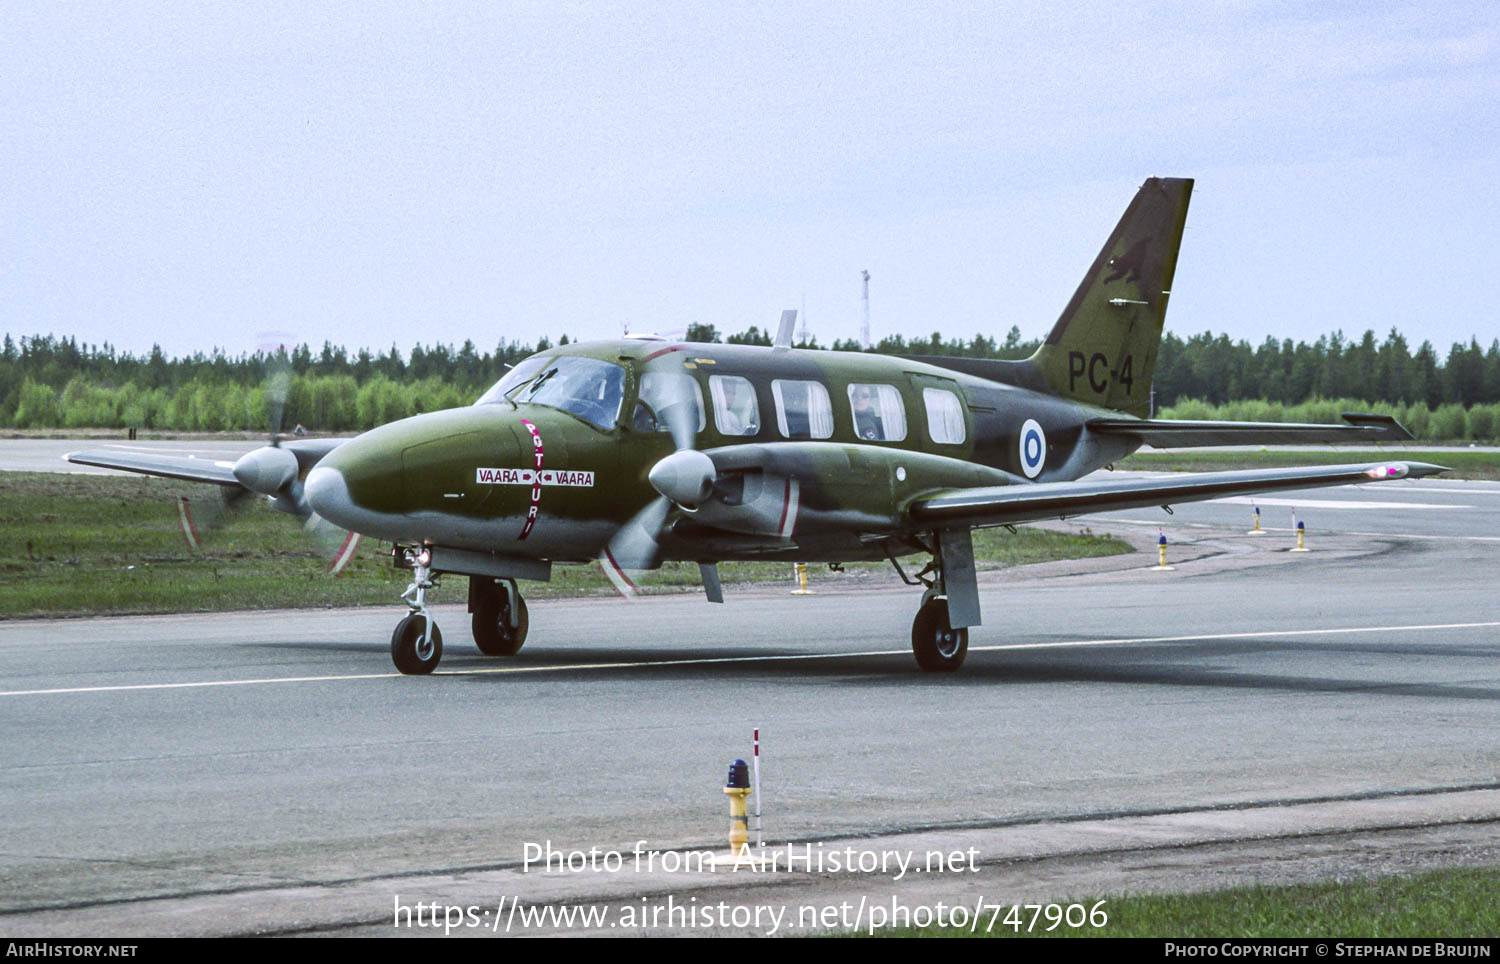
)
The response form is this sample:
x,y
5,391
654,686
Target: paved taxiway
x,y
181,754
50,455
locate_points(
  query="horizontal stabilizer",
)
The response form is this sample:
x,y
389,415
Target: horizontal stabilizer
x,y
1168,434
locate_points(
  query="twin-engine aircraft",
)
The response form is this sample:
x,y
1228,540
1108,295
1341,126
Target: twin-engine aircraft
x,y
638,451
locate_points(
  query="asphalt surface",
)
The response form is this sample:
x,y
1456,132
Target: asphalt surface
x,y
50,455
242,754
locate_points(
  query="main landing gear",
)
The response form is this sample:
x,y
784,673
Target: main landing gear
x,y
500,618
950,605
939,647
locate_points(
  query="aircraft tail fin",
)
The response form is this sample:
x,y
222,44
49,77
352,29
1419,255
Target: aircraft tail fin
x,y
1102,350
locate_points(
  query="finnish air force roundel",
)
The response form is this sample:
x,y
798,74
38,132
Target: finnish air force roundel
x,y
1033,448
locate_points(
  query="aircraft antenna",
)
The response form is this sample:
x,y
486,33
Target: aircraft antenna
x,y
803,336
864,301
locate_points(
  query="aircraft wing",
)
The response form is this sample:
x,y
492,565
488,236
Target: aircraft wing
x,y
215,471
1005,504
1165,434
168,466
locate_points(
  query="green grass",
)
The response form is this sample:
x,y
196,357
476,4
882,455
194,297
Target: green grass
x,y
91,544
1447,903
1465,464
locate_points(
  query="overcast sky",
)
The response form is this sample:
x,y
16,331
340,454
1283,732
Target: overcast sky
x,y
198,175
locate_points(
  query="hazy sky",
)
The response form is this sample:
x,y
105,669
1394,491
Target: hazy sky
x,y
197,174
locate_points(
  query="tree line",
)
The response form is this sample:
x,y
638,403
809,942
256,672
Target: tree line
x,y
48,381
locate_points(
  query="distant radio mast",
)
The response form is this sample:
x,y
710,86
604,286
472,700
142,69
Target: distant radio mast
x,y
864,328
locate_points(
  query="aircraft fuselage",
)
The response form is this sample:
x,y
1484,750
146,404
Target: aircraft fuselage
x,y
555,481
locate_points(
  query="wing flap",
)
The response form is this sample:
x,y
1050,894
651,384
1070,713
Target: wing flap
x,y
1165,434
999,505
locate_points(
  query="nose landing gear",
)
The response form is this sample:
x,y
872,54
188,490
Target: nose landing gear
x,y
500,617
417,645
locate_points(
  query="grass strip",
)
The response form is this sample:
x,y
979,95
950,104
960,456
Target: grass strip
x,y
1454,903
97,544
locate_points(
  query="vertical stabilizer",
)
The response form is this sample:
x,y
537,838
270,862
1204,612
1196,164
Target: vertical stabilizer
x,y
1103,348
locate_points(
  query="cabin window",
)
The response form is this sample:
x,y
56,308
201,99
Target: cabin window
x,y
945,416
878,413
802,409
735,409
660,391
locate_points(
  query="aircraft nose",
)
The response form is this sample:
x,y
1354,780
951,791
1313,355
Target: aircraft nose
x,y
386,482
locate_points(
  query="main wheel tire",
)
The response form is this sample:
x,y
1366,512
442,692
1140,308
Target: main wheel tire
x,y
408,651
939,647
493,633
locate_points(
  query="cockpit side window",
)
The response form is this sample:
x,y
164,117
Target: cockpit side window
x,y
660,391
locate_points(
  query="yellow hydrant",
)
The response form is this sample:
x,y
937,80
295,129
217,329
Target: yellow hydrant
x,y
737,788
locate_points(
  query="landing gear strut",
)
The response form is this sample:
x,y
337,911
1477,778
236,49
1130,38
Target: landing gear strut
x,y
417,645
500,617
940,633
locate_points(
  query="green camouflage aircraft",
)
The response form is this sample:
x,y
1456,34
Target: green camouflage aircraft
x,y
642,450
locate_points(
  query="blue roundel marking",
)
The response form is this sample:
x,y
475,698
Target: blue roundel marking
x,y
1033,448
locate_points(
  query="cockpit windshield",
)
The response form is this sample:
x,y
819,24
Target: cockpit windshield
x,y
514,379
586,387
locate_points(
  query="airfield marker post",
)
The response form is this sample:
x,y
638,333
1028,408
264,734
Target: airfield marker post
x,y
802,590
1301,529
1161,548
1257,531
737,788
755,767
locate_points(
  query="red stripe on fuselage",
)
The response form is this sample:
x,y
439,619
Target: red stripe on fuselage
x,y
662,351
536,490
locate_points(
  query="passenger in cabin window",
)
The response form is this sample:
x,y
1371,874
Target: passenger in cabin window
x,y
867,423
737,416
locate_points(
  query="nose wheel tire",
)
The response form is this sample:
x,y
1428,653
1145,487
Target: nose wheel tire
x,y
493,633
412,654
939,647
